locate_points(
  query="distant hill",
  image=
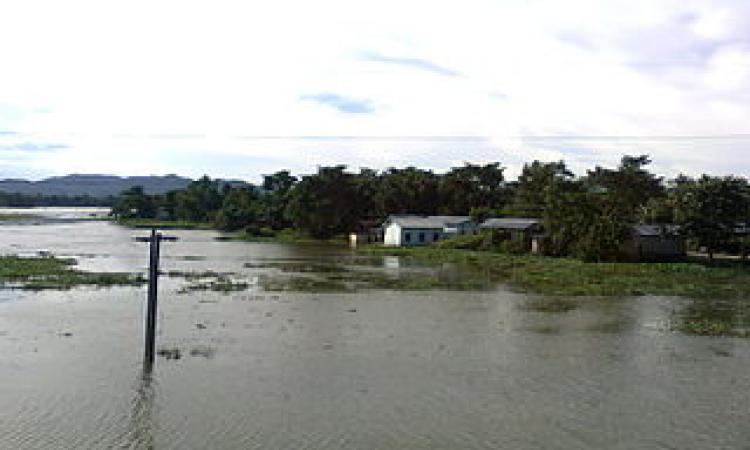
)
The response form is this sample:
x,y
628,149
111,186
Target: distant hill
x,y
96,185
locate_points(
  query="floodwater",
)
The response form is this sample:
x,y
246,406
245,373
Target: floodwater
x,y
372,368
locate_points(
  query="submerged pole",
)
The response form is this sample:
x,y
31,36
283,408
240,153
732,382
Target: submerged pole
x,y
153,286
149,349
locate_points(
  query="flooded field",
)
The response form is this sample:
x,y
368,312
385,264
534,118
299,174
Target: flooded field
x,y
266,345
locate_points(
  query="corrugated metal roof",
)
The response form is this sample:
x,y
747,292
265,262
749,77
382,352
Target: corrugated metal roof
x,y
509,223
426,222
655,230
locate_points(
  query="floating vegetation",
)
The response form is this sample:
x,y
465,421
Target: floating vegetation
x,y
191,258
170,353
203,351
303,266
18,217
48,272
175,353
225,285
303,284
209,280
714,318
195,275
570,277
354,280
710,327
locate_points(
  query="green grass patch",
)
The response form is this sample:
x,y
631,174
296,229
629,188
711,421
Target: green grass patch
x,y
286,236
570,277
711,327
17,217
302,266
47,272
209,281
165,224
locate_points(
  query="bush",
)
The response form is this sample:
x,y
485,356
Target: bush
x,y
464,242
513,247
258,231
499,241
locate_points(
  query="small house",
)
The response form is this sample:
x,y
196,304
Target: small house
x,y
658,242
411,230
519,229
366,232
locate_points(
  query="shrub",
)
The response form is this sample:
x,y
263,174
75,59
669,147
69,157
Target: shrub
x,y
464,242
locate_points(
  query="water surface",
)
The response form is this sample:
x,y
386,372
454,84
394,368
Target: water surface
x,y
435,369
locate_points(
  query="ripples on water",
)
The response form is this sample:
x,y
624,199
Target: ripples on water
x,y
372,369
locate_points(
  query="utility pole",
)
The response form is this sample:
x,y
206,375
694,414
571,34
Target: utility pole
x,y
153,284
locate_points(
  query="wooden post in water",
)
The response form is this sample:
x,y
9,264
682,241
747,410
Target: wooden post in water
x,y
154,241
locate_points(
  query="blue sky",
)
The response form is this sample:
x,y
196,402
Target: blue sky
x,y
238,89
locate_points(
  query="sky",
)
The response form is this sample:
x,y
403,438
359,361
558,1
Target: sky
x,y
238,89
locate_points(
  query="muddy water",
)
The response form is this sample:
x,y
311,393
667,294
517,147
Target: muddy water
x,y
368,369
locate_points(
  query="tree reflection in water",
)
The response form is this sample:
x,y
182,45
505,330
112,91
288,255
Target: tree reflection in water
x,y
141,428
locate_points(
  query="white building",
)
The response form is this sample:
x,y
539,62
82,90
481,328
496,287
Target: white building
x,y
410,230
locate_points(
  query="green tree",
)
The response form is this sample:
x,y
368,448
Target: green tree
x,y
275,199
322,204
631,184
588,225
134,203
368,184
536,179
199,201
472,186
239,208
709,209
409,190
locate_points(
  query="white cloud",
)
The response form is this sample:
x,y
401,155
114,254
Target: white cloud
x,y
87,72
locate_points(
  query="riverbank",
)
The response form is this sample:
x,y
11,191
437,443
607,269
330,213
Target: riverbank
x,y
532,273
285,236
17,217
48,272
571,277
164,224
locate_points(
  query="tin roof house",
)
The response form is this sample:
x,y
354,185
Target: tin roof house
x,y
657,242
526,232
412,230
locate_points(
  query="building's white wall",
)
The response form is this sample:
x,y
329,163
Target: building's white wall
x,y
392,235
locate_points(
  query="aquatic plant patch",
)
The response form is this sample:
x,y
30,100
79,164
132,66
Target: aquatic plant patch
x,y
570,277
49,272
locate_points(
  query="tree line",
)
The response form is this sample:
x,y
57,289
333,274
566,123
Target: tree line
x,y
585,216
17,200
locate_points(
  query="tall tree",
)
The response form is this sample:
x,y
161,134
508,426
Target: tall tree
x,y
274,202
535,180
710,208
409,190
240,208
134,203
200,201
631,184
321,204
472,186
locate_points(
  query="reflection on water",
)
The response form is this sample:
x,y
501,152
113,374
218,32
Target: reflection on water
x,y
141,429
437,369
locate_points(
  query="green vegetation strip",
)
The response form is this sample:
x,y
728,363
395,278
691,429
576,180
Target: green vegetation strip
x,y
285,236
165,224
40,273
570,277
17,217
